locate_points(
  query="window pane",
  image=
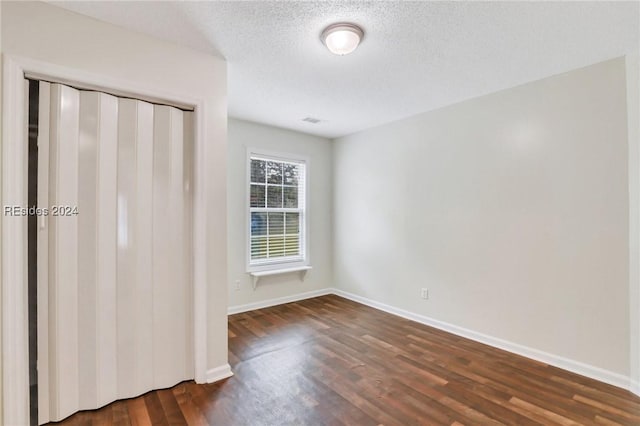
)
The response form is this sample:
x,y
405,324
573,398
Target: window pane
x,y
257,195
259,248
258,224
276,185
291,196
258,171
274,172
276,246
291,174
276,223
293,223
274,197
292,245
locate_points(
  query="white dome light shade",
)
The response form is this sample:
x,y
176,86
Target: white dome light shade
x,y
342,39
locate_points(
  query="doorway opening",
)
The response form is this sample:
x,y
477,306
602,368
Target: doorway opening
x,y
109,249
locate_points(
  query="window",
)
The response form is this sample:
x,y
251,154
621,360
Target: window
x,y
276,212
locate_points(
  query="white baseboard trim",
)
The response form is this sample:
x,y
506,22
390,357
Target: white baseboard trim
x,y
593,372
278,301
600,374
218,373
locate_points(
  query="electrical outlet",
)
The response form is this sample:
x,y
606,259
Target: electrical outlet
x,y
424,293
237,286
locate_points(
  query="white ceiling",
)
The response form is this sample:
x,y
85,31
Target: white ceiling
x,y
416,56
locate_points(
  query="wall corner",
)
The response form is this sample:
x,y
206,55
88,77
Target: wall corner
x,y
632,65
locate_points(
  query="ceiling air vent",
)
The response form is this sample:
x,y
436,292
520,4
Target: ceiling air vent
x,y
311,120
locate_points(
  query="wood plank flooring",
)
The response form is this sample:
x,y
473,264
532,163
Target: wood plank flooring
x,y
331,361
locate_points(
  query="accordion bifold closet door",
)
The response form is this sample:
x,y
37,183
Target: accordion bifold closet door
x,y
114,249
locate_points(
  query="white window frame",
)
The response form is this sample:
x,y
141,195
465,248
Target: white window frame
x,y
284,263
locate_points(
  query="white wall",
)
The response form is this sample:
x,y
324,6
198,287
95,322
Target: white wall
x,y
1,352
511,208
244,134
633,124
50,34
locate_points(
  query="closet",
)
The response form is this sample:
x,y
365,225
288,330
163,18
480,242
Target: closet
x,y
114,287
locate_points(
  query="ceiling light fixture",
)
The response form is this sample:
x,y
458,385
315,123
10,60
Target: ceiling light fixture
x,y
342,38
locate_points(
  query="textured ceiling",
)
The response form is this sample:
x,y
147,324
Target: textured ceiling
x,y
416,56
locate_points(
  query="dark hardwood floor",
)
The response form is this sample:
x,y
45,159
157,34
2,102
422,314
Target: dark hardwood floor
x,y
330,361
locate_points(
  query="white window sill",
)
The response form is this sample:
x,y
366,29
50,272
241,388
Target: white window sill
x,y
256,275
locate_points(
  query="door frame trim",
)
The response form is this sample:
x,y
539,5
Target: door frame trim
x,y
13,257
